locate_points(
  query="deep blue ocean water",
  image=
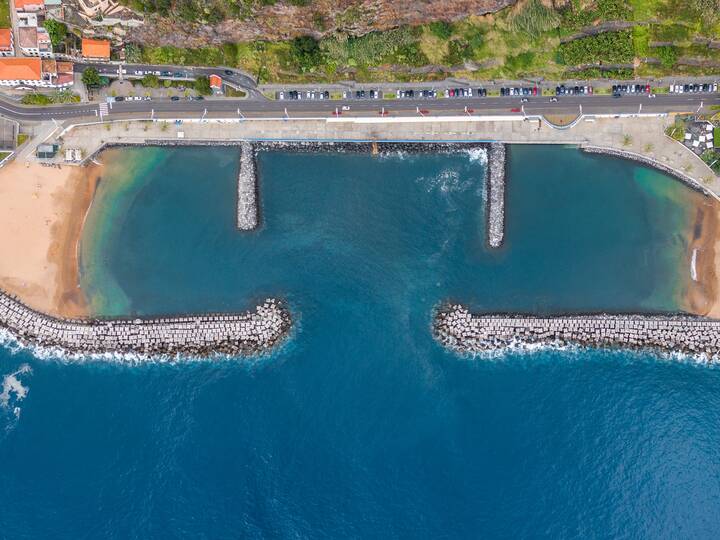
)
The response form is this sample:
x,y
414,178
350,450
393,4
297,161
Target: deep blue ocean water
x,y
360,426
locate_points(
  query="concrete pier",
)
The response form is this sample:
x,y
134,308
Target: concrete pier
x,y
202,335
456,328
247,205
495,195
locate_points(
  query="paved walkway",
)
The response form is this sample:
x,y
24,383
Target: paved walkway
x,y
642,135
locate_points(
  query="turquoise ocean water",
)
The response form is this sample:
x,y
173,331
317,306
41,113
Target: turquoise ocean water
x,y
360,425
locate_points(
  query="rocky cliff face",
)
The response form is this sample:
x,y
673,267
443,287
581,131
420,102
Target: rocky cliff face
x,y
283,21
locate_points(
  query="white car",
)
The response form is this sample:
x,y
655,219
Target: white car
x,y
397,94
715,87
281,95
346,107
447,93
470,92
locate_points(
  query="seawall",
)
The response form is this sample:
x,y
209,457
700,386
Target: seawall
x,y
247,192
495,198
456,328
245,333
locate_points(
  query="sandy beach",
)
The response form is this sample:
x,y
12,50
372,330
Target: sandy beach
x,y
42,210
701,296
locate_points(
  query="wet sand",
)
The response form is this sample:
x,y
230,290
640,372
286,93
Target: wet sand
x,y
701,296
42,211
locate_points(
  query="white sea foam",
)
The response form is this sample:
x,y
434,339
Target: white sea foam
x,y
13,389
448,180
478,155
523,348
57,354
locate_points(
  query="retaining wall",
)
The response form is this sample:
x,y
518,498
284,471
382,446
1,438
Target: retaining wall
x,y
456,328
203,335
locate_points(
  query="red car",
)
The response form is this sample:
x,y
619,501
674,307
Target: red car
x,y
647,88
534,90
515,110
452,93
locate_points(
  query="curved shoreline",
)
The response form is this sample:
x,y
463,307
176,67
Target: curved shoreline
x,y
456,328
650,162
242,334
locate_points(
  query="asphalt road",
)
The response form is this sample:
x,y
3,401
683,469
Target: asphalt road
x,y
596,104
233,76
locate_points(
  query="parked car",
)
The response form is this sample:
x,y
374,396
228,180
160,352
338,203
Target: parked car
x,y
175,98
553,99
281,95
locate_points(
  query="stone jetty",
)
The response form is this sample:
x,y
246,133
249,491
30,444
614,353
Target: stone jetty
x,y
456,328
247,206
246,333
495,195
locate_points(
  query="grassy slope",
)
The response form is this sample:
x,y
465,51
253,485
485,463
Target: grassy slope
x,y
523,42
4,14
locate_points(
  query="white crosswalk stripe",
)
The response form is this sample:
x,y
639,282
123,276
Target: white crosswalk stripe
x,y
104,109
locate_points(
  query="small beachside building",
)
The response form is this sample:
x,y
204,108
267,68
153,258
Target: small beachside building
x,y
29,5
47,151
7,45
96,49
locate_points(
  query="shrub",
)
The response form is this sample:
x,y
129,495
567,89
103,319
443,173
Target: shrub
x,y
441,29
668,56
608,47
56,30
202,86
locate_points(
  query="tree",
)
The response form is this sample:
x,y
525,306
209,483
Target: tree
x,y
202,86
91,77
150,81
306,52
56,30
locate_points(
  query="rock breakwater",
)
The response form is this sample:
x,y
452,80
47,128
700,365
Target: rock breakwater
x,y
495,196
247,207
458,329
246,333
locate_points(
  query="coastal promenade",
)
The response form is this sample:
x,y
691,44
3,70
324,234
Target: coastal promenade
x,y
637,135
456,328
246,333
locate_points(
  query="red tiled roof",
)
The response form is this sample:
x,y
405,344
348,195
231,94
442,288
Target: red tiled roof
x,y
21,5
22,69
215,81
5,38
95,48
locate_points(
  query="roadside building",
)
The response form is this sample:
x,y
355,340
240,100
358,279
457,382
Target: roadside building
x,y
7,45
35,42
25,20
29,5
216,83
34,72
96,49
47,151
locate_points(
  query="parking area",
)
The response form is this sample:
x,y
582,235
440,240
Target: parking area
x,y
492,89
